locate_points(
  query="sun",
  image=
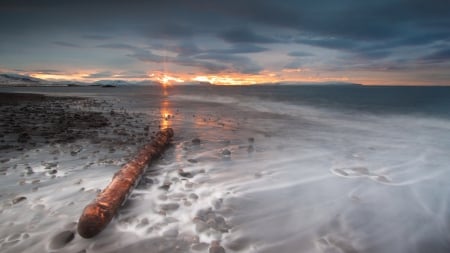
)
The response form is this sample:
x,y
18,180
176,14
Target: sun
x,y
167,79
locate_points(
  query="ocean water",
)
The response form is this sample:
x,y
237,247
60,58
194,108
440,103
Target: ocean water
x,y
276,169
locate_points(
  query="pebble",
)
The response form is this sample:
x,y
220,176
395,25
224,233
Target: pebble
x,y
193,196
23,137
165,186
226,152
192,161
196,141
199,246
62,239
182,173
144,222
216,248
169,220
173,232
19,199
200,226
169,206
238,244
50,165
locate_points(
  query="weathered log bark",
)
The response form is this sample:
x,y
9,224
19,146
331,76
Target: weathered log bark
x,y
97,215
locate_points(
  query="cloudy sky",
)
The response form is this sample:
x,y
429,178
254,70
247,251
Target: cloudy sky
x,y
245,41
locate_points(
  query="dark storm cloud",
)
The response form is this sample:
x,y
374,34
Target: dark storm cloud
x,y
243,48
295,64
360,20
237,63
146,56
169,30
118,46
438,56
331,43
208,66
244,35
186,48
96,37
300,54
222,36
135,52
66,44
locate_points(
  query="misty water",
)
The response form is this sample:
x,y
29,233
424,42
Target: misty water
x,y
271,169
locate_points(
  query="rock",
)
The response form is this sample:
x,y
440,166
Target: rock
x,y
200,226
251,140
18,199
52,172
196,141
226,152
193,196
199,246
192,161
23,137
50,165
250,149
216,248
182,173
62,239
144,222
169,206
169,220
238,244
165,186
173,232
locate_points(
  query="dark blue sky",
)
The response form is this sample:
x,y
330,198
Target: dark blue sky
x,y
376,42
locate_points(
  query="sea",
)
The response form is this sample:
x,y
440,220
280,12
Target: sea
x,y
272,168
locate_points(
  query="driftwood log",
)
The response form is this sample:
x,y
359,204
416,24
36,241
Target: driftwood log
x,y
97,215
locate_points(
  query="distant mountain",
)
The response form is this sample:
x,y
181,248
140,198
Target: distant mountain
x,y
12,79
320,83
111,83
16,79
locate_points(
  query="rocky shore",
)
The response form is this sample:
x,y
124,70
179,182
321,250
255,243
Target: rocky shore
x,y
32,120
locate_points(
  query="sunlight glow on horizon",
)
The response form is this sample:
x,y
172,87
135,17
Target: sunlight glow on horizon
x,y
168,78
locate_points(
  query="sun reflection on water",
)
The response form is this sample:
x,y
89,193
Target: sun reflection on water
x,y
165,110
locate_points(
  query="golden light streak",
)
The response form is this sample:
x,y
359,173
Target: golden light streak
x,y
48,76
166,114
237,79
166,79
